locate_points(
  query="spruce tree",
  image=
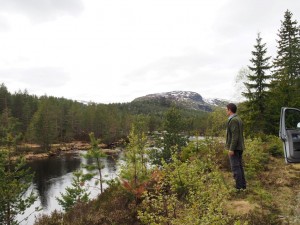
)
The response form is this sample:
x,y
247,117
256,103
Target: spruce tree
x,y
172,141
286,74
285,83
75,194
257,87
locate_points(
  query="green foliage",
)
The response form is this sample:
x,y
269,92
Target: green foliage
x,y
4,98
240,223
44,125
208,148
257,89
75,194
15,180
285,84
287,61
190,192
15,177
216,123
9,129
46,120
273,145
172,139
190,189
190,150
264,198
23,107
95,167
255,157
267,93
134,172
266,211
111,207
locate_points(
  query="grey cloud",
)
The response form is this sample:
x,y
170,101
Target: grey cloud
x,y
195,72
171,67
42,9
3,24
252,16
42,77
238,23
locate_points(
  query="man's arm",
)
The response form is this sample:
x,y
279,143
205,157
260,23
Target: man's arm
x,y
234,128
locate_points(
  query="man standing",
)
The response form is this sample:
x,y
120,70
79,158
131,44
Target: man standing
x,y
235,146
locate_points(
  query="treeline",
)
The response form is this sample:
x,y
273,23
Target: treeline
x,y
46,120
270,85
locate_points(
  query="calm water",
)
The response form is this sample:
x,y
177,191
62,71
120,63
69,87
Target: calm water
x,y
54,174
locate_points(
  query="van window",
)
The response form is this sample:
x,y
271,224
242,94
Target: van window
x,y
292,119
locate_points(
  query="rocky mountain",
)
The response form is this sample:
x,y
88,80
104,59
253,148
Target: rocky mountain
x,y
185,99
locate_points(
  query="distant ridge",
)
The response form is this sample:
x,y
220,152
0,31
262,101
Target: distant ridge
x,y
185,99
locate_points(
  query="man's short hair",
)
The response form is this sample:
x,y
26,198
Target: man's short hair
x,y
232,107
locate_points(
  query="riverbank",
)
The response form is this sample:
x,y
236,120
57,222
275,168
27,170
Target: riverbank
x,y
34,151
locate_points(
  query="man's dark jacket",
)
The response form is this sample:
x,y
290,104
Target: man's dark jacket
x,y
234,136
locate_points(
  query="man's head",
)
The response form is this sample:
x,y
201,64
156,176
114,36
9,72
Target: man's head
x,y
231,109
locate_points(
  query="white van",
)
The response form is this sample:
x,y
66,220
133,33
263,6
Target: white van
x,y
289,132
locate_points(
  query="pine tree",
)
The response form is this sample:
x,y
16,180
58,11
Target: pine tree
x,y
173,139
257,87
95,168
15,177
43,127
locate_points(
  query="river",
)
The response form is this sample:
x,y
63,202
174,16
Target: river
x,y
52,175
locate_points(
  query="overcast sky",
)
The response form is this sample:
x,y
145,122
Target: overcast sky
x,y
109,51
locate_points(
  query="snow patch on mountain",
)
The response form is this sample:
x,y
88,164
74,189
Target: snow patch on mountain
x,y
187,99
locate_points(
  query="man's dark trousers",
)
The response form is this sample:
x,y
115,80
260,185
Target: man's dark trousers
x,y
237,169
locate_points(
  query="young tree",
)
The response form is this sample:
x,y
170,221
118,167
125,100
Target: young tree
x,y
173,140
257,87
15,178
95,168
75,194
134,172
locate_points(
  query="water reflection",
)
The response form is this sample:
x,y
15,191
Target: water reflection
x,y
54,174
47,169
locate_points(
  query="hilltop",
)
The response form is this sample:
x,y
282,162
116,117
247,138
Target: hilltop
x,y
184,99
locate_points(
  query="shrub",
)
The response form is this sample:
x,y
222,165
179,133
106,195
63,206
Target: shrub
x,y
190,192
255,157
274,146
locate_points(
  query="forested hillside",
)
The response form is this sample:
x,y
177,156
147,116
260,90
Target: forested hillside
x,y
46,120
